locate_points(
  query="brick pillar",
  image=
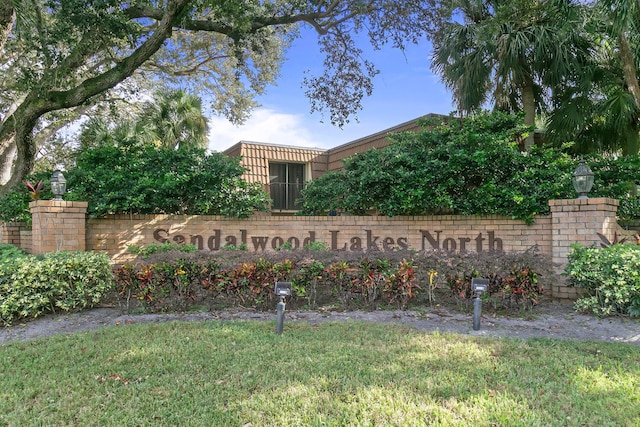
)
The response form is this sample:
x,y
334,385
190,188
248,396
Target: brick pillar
x,y
57,225
577,221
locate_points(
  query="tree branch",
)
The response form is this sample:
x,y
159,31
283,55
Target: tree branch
x,y
122,69
313,18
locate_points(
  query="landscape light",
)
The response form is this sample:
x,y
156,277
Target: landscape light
x,y
582,180
478,286
282,290
58,185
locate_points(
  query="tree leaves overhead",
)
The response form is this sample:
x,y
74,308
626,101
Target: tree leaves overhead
x,y
65,54
511,53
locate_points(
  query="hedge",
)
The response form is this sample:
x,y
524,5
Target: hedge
x,y
60,281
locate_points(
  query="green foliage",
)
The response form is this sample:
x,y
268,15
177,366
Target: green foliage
x,y
14,206
286,246
324,194
469,167
609,276
317,246
230,247
174,280
64,281
145,251
133,176
137,178
9,252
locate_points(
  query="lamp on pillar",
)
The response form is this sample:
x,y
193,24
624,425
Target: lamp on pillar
x,y
582,180
58,185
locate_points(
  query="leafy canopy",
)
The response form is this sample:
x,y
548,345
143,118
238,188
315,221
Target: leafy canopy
x,y
470,167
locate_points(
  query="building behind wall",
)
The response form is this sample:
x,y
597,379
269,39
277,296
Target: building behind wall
x,y
284,170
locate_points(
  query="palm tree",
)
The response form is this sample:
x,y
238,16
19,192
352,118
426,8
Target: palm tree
x,y
624,16
172,119
598,106
176,119
596,110
510,52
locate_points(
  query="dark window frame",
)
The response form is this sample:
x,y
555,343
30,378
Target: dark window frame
x,y
286,180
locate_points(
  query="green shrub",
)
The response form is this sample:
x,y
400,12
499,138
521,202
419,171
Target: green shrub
x,y
131,177
609,276
60,281
8,252
14,206
317,246
146,251
467,167
229,247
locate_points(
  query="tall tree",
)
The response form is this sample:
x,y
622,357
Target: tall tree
x,y
172,119
510,52
176,119
61,54
598,104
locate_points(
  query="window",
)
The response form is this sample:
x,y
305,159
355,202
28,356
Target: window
x,y
286,180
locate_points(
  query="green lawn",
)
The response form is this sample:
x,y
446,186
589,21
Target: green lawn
x,y
335,374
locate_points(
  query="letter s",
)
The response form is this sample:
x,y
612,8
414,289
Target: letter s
x,y
158,235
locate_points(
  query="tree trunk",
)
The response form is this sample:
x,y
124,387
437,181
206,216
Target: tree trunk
x,y
629,68
7,157
529,107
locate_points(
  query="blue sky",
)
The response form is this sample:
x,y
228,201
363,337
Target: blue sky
x,y
405,89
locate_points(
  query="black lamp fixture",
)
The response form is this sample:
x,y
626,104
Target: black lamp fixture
x,y
582,179
58,185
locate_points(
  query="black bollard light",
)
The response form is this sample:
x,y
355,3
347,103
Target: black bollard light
x,y
478,286
283,290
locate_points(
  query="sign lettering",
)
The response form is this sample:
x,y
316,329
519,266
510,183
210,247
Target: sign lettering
x,y
371,241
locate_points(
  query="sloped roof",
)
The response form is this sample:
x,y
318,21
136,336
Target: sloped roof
x,y
257,155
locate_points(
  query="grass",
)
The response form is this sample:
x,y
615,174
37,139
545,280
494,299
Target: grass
x,y
331,374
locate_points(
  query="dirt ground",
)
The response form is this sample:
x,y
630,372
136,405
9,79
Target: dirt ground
x,y
550,320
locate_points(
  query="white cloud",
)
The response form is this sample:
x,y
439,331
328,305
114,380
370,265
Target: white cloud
x,y
264,125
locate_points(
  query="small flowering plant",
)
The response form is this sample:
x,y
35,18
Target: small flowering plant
x,y
34,190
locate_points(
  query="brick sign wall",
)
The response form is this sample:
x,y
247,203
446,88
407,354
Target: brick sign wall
x,y
351,233
62,226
